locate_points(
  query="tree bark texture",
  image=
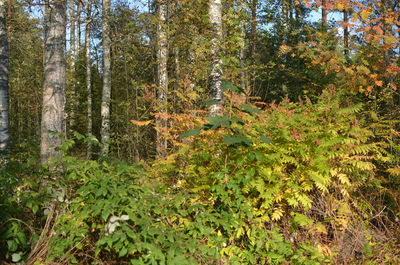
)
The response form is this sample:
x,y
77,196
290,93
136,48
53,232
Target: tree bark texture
x,y
53,111
216,93
106,96
162,74
4,71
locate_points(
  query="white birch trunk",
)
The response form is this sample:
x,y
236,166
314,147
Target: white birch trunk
x,y
88,79
53,113
4,69
106,97
162,73
216,93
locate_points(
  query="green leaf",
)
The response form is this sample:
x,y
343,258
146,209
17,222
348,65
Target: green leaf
x,y
212,102
250,109
266,140
123,252
240,139
192,132
217,122
229,86
16,257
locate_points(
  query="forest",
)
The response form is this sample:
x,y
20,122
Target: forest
x,y
209,132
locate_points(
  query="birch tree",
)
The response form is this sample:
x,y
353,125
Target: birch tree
x,y
53,110
4,63
162,73
106,96
216,93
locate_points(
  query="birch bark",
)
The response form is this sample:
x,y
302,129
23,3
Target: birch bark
x,y
216,93
106,96
53,110
4,70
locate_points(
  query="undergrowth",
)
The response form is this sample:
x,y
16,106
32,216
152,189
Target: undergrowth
x,y
287,184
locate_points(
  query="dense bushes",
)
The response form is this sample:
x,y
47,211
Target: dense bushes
x,y
273,186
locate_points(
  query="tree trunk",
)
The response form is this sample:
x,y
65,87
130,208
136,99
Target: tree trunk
x,y
4,65
162,74
53,113
106,97
88,79
72,69
346,33
242,58
215,15
78,21
324,15
253,48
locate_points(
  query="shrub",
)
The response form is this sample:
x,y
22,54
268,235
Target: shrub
x,y
293,166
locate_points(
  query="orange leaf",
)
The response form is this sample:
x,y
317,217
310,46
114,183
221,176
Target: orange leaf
x,y
141,123
379,83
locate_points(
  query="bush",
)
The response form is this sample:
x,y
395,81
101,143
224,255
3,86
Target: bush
x,y
293,166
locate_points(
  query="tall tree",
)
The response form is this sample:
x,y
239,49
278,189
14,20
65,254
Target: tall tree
x,y
253,23
72,61
215,16
162,73
78,27
324,15
53,110
4,63
106,96
88,77
346,33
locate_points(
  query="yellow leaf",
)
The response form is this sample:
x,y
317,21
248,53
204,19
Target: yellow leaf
x,y
141,123
277,214
318,228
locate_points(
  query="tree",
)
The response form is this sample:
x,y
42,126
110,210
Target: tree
x,y
53,110
346,33
88,77
4,65
72,64
162,74
215,16
106,95
254,4
324,15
